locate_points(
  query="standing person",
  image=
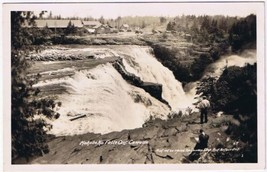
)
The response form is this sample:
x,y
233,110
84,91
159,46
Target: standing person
x,y
203,105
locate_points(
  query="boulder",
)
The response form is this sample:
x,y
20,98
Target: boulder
x,y
181,128
154,89
169,132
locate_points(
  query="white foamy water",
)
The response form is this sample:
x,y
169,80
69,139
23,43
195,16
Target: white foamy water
x,y
139,61
112,104
97,52
106,100
57,71
216,69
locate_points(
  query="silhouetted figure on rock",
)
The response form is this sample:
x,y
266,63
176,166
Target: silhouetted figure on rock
x,y
202,143
203,140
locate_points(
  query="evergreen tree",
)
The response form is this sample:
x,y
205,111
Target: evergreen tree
x,y
28,128
70,28
102,20
50,15
243,33
162,20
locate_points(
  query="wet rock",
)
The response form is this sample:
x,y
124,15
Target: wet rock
x,y
122,135
138,134
138,160
154,89
142,150
159,143
139,98
174,122
169,135
144,133
160,158
181,128
117,157
174,141
93,156
155,123
169,132
160,132
151,133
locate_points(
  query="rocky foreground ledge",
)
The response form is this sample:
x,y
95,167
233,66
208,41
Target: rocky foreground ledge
x,y
159,141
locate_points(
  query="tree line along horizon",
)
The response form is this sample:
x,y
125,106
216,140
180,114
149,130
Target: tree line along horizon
x,y
224,21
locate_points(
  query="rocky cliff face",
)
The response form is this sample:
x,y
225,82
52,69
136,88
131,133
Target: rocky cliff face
x,y
154,89
159,141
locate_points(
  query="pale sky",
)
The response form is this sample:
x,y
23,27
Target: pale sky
x,y
113,10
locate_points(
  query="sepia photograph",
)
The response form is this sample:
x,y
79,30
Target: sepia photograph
x,y
135,83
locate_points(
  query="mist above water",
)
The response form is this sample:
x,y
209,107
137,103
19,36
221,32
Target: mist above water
x,y
216,68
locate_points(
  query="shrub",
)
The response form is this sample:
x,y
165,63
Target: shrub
x,y
168,59
235,92
199,65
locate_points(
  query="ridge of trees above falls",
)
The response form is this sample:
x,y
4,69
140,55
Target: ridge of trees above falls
x,y
217,29
210,37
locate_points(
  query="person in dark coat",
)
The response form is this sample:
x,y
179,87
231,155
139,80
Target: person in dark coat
x,y
202,143
203,139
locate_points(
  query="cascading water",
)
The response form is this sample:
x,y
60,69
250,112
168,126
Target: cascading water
x,y
139,61
216,69
109,102
112,104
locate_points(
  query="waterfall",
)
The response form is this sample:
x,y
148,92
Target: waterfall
x,y
110,103
140,61
216,68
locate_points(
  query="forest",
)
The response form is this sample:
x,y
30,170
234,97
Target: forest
x,y
221,35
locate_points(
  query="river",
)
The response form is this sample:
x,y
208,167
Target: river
x,y
93,87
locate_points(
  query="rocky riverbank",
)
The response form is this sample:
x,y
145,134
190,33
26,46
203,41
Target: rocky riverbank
x,y
159,141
